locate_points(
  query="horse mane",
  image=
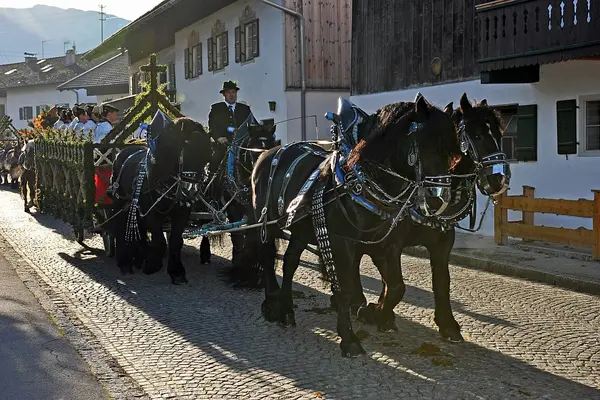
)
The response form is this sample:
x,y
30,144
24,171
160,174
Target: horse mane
x,y
481,110
389,135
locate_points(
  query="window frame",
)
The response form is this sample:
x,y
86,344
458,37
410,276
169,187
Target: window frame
x,y
244,42
582,125
506,107
2,110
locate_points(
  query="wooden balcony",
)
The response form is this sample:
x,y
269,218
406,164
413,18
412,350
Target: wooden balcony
x,y
516,33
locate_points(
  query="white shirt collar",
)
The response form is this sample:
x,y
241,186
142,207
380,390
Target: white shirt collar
x,y
231,105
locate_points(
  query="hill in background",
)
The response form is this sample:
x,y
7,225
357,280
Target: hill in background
x,y
23,30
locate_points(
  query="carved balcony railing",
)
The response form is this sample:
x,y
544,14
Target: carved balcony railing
x,y
515,33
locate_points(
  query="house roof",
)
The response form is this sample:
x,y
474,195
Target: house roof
x,y
114,71
155,30
42,71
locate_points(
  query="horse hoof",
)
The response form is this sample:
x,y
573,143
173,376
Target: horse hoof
x,y
451,335
366,314
387,326
27,210
204,260
269,310
287,320
179,280
352,349
126,271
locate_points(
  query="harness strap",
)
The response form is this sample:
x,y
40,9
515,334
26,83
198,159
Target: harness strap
x,y
320,226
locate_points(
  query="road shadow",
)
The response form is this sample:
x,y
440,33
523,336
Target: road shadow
x,y
224,328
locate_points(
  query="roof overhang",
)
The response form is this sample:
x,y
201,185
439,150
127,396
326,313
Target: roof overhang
x,y
72,83
155,30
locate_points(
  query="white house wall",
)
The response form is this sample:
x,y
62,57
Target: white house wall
x,y
261,80
40,95
553,176
318,102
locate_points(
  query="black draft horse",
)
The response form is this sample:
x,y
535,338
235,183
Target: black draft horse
x,y
155,184
484,166
231,197
407,149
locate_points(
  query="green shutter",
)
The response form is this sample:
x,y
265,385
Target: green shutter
x,y
210,54
566,126
255,40
186,63
238,48
527,133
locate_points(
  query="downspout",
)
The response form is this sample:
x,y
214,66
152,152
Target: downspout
x,y
302,61
76,95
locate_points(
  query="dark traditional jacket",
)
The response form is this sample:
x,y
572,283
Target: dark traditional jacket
x,y
219,118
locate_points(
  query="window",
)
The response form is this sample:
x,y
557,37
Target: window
x,y
2,110
26,113
192,57
246,41
519,141
136,83
39,109
162,77
218,48
591,124
172,81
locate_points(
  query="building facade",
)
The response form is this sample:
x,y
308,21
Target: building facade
x,y
253,43
515,56
28,87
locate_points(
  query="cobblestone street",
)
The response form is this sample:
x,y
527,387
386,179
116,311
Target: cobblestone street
x,y
208,341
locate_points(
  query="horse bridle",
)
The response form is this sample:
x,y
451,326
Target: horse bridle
x,y
492,164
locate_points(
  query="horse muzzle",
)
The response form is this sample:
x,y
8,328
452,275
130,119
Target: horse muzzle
x,y
493,180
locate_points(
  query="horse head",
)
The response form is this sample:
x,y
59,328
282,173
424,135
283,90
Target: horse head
x,y
417,145
480,130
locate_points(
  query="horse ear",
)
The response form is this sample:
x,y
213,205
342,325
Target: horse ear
x,y
465,104
421,109
483,103
418,96
449,109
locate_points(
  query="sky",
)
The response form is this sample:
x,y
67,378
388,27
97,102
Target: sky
x,y
121,8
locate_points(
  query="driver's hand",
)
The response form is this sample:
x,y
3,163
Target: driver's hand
x,y
222,140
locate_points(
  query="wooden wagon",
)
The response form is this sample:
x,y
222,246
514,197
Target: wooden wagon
x,y
72,175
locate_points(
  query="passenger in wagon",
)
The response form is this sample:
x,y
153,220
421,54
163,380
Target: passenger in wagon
x,y
81,118
90,125
75,120
108,117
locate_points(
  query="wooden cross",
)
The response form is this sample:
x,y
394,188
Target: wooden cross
x,y
154,69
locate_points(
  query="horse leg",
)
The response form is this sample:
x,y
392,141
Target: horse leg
x,y
140,249
236,213
205,254
157,246
358,298
291,261
439,257
24,182
267,252
31,186
343,256
175,267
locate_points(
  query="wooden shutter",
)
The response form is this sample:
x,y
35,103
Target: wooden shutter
x,y
172,84
238,44
211,54
526,148
38,110
21,114
255,39
225,49
199,59
186,63
566,126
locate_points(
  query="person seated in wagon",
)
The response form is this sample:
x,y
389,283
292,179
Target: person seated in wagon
x,y
108,117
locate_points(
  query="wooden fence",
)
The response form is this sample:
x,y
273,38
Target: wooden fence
x,y
527,230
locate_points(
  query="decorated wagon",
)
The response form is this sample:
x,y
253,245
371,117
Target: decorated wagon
x,y
73,173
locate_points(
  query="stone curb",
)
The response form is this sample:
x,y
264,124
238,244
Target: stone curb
x,y
117,383
501,268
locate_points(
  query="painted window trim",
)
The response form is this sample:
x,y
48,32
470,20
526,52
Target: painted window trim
x,y
581,124
505,106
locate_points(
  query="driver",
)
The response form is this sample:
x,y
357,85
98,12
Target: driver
x,y
224,114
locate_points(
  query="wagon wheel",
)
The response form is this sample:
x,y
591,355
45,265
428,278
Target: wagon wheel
x,y
108,239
